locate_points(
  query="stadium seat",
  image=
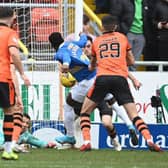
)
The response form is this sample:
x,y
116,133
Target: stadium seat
x,y
44,22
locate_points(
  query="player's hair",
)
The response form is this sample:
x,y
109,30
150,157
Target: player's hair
x,y
90,39
27,116
6,12
109,23
55,39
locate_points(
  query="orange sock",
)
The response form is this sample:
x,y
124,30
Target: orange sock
x,y
17,128
85,126
142,128
8,127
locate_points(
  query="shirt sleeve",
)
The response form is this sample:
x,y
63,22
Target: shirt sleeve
x,y
82,41
13,40
63,56
36,142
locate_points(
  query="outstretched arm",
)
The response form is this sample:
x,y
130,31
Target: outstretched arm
x,y
136,83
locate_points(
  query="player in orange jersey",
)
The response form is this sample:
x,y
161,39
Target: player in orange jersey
x,y
111,55
8,51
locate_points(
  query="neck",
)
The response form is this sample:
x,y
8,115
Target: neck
x,y
5,22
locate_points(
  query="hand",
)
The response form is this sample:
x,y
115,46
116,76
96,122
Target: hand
x,y
64,68
51,145
26,80
137,84
19,103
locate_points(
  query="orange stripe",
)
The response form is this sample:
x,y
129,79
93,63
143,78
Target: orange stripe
x,y
91,90
86,134
8,125
8,133
85,118
11,93
142,126
18,122
138,122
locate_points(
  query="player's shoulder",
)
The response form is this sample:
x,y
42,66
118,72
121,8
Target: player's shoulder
x,y
6,30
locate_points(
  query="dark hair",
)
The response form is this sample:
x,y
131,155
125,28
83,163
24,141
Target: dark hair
x,y
109,22
90,39
6,12
85,19
55,39
27,116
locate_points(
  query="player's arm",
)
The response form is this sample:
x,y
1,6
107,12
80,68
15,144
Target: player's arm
x,y
82,41
19,102
130,58
136,83
66,61
14,52
93,60
93,63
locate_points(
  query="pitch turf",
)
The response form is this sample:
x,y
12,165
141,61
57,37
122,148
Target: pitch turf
x,y
53,158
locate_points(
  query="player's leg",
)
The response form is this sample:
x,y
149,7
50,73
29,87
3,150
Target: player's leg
x,y
69,118
87,107
72,109
106,116
7,97
17,121
120,111
124,97
107,122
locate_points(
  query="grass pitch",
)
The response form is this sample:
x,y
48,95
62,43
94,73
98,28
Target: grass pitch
x,y
72,158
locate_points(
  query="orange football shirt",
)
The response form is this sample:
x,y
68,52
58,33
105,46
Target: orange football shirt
x,y
9,39
110,50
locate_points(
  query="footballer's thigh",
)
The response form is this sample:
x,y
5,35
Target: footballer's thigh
x,y
79,91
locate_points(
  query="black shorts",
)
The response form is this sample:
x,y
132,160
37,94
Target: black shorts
x,y
7,94
117,85
104,109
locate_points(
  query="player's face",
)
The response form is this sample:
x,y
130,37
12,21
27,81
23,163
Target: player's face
x,y
86,27
25,124
88,48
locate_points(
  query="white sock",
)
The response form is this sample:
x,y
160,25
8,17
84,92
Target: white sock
x,y
149,140
86,142
13,144
8,147
120,111
69,118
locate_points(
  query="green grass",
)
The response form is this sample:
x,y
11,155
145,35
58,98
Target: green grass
x,y
52,158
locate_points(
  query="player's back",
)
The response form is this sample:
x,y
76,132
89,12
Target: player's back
x,y
6,41
72,54
111,50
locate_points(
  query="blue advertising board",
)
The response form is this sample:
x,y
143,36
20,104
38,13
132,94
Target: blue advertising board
x,y
159,133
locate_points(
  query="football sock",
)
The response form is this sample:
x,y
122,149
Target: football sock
x,y
85,126
142,128
112,132
120,111
69,117
17,128
8,131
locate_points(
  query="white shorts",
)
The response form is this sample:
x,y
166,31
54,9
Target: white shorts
x,y
79,91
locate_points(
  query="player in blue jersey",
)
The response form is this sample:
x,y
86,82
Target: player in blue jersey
x,y
72,59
